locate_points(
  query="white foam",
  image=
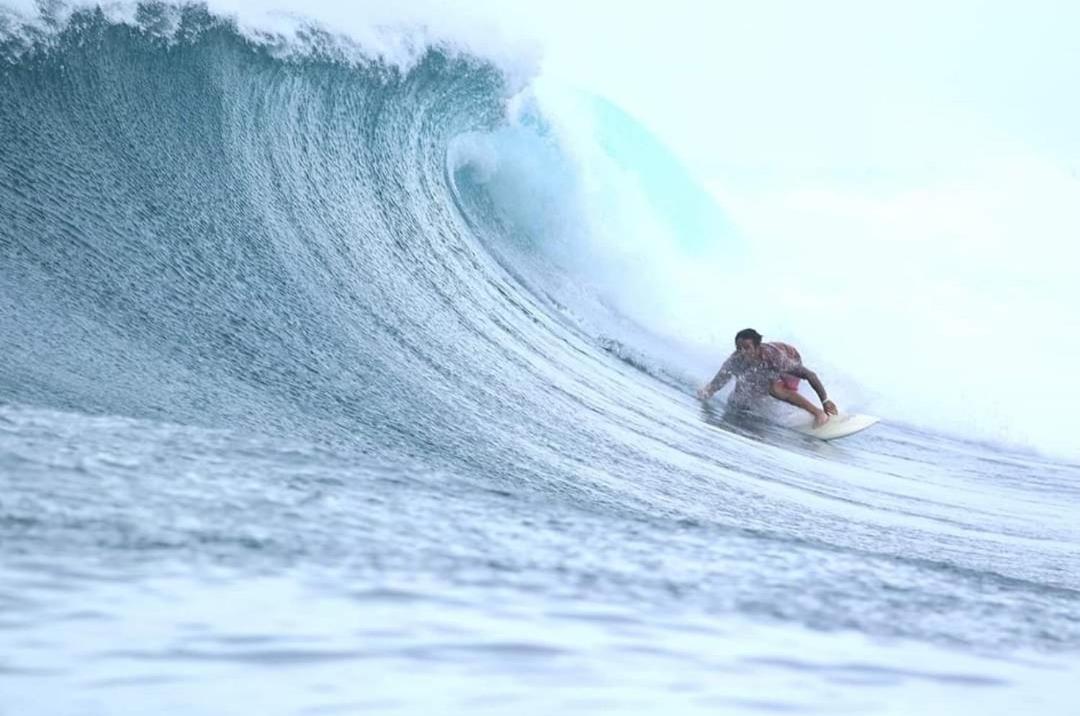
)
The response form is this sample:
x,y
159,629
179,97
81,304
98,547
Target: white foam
x,y
395,33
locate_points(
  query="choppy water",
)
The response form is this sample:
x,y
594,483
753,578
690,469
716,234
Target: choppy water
x,y
288,427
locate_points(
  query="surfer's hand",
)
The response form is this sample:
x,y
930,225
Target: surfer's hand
x,y
703,393
830,407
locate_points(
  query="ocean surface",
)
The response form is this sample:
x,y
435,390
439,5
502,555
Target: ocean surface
x,y
297,417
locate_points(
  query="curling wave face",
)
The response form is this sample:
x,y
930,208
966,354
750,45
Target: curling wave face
x,y
296,273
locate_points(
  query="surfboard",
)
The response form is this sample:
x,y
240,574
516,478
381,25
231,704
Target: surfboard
x,y
839,426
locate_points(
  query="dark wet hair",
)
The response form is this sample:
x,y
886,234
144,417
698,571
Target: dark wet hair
x,y
748,333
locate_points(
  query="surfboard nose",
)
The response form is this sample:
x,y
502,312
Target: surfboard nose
x,y
839,426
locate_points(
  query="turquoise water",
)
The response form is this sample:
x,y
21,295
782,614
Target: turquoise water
x,y
296,418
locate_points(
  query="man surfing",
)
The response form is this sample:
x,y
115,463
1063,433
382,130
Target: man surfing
x,y
762,369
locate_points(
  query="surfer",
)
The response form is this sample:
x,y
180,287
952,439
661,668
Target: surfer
x,y
762,369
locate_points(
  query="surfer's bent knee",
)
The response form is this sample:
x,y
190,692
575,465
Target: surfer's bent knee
x,y
779,390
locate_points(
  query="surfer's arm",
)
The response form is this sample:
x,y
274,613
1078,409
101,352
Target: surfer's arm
x,y
811,377
719,381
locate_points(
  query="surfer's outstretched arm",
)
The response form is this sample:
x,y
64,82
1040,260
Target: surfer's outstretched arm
x,y
781,392
719,381
811,377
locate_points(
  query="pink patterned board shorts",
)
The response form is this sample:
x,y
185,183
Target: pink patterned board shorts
x,y
789,381
780,354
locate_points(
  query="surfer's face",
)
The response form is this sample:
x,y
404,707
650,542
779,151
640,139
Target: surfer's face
x,y
748,350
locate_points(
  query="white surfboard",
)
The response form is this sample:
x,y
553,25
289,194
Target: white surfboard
x,y
839,426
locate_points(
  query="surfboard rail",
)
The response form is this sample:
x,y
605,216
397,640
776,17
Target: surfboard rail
x,y
839,426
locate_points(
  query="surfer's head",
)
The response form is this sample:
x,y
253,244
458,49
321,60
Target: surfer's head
x,y
747,342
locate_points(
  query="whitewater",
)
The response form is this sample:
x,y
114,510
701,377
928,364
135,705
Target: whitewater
x,y
352,371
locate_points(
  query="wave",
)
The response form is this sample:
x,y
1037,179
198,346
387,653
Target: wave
x,y
291,230
414,263
236,229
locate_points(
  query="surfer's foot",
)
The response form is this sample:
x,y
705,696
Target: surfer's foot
x,y
820,418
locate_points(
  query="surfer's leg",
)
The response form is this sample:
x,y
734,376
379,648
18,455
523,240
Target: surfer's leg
x,y
780,391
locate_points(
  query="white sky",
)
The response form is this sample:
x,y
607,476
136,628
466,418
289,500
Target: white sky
x,y
836,86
